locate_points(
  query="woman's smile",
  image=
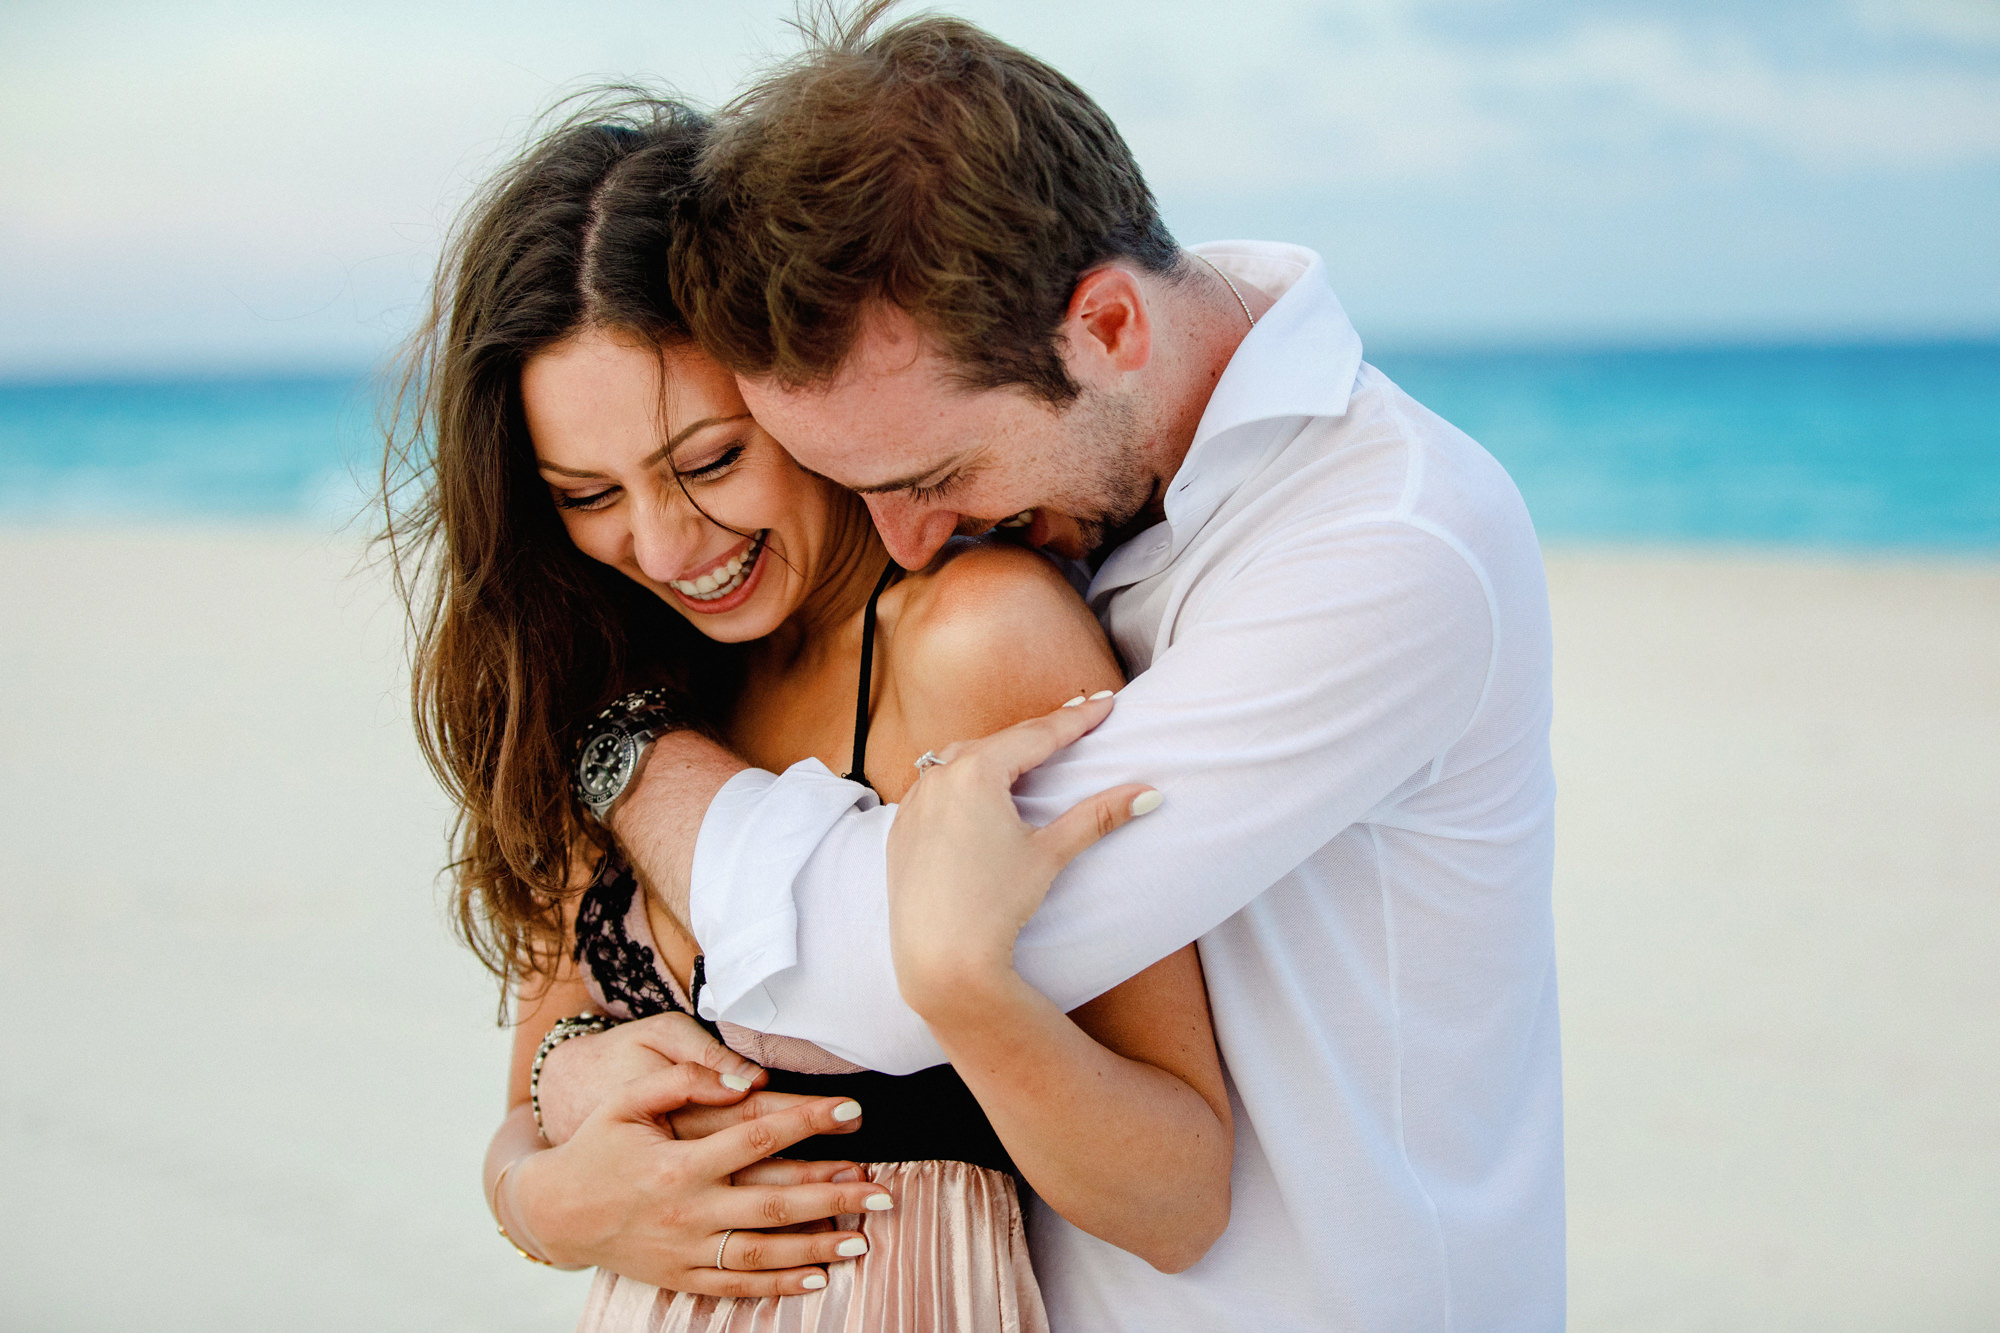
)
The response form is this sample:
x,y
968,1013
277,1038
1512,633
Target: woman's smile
x,y
726,583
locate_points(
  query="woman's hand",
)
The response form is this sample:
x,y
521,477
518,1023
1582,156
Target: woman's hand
x,y
625,1193
966,872
581,1073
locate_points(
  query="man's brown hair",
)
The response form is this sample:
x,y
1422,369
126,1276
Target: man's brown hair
x,y
929,165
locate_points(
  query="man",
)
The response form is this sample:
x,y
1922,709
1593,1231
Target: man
x,y
942,282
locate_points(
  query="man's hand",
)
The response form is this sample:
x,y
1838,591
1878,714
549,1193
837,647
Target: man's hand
x,y
582,1073
966,872
625,1194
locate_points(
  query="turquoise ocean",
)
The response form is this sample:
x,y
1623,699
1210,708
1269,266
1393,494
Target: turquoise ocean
x,y
1890,446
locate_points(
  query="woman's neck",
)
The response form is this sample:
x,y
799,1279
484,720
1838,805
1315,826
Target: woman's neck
x,y
841,586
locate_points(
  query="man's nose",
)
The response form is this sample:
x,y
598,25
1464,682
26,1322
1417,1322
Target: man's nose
x,y
913,533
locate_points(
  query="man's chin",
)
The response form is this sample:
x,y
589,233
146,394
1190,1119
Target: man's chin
x,y
1063,535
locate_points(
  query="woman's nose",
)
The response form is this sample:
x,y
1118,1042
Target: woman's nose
x,y
666,535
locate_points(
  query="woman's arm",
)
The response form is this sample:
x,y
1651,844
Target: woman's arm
x,y
1116,1114
624,1193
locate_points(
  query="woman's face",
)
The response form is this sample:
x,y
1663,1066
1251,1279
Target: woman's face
x,y
614,420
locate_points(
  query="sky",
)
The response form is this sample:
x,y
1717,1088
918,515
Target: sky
x,y
223,187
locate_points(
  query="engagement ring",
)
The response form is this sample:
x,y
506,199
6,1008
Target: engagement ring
x,y
928,759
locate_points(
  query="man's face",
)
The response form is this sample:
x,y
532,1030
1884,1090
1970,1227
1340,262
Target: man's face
x,y
933,459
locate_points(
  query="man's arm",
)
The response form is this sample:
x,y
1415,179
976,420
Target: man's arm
x,y
1305,686
657,822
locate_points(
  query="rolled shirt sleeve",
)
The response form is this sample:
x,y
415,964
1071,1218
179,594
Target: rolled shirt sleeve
x,y
1300,683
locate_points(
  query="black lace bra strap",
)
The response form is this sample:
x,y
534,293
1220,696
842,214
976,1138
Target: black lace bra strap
x,y
858,773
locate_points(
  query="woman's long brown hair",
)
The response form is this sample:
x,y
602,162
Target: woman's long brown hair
x,y
517,638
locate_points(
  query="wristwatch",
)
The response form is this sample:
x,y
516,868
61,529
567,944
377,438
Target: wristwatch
x,y
616,742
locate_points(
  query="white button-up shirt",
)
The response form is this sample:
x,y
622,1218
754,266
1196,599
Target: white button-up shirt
x,y
1340,644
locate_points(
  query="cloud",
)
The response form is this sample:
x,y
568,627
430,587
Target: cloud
x,y
252,175
1381,94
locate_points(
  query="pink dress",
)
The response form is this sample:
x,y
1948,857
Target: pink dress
x,y
950,1257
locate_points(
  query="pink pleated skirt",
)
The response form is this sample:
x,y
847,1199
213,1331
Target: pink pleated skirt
x,y
950,1257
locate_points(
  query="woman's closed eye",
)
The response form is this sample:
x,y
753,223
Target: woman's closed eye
x,y
587,499
715,467
603,496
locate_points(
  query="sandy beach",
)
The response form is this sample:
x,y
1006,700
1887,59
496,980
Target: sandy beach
x,y
250,1076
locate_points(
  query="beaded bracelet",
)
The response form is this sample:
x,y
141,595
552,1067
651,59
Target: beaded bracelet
x,y
561,1031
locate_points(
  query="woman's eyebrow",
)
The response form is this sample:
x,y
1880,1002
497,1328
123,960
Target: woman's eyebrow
x,y
664,450
656,456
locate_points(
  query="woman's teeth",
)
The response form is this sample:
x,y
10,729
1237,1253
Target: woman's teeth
x,y
1020,520
724,578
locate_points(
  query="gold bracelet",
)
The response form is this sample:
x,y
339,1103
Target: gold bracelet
x,y
499,1183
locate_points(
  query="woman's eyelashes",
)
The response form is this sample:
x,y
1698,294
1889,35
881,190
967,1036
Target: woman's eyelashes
x,y
593,500
708,471
721,463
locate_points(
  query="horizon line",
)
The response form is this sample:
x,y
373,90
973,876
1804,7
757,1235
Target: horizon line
x,y
355,371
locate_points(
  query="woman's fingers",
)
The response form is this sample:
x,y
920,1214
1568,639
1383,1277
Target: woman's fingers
x,y
679,1038
584,1072
699,1121
751,1251
728,1151
623,1193
786,1171
746,1284
656,1096
1012,751
757,1207
1088,820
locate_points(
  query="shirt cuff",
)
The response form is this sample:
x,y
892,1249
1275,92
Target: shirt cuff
x,y
758,834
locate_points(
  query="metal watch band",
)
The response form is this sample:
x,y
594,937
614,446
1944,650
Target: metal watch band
x,y
610,748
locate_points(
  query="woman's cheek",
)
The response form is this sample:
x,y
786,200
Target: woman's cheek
x,y
591,535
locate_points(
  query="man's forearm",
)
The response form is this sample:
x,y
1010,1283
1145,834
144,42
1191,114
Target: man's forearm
x,y
659,820
1269,732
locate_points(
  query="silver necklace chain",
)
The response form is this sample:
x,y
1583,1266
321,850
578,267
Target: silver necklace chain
x,y
1232,290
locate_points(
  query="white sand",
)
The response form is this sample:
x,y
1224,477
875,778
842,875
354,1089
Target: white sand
x,y
248,1076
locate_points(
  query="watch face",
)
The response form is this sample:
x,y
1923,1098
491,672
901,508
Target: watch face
x,y
606,766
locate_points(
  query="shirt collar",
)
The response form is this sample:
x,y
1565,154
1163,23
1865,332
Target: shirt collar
x,y
1299,360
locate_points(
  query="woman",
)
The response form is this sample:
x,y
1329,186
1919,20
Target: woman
x,y
599,511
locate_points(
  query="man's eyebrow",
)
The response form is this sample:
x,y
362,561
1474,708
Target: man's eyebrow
x,y
654,457
912,481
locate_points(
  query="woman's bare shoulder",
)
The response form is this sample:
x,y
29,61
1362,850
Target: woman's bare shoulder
x,y
996,630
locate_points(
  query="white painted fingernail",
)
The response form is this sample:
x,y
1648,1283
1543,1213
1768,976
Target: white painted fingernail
x,y
847,1111
1145,803
1101,694
878,1203
1072,703
736,1081
851,1248
814,1281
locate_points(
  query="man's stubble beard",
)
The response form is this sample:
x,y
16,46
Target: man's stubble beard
x,y
1109,492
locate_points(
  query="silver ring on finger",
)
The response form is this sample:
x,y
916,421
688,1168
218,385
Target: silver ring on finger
x,y
927,760
721,1244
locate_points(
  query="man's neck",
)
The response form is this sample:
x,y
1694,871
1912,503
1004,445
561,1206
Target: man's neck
x,y
1200,321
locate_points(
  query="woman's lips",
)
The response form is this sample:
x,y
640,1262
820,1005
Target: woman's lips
x,y
727,585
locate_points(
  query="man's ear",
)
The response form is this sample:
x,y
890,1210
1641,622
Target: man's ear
x,y
1108,332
